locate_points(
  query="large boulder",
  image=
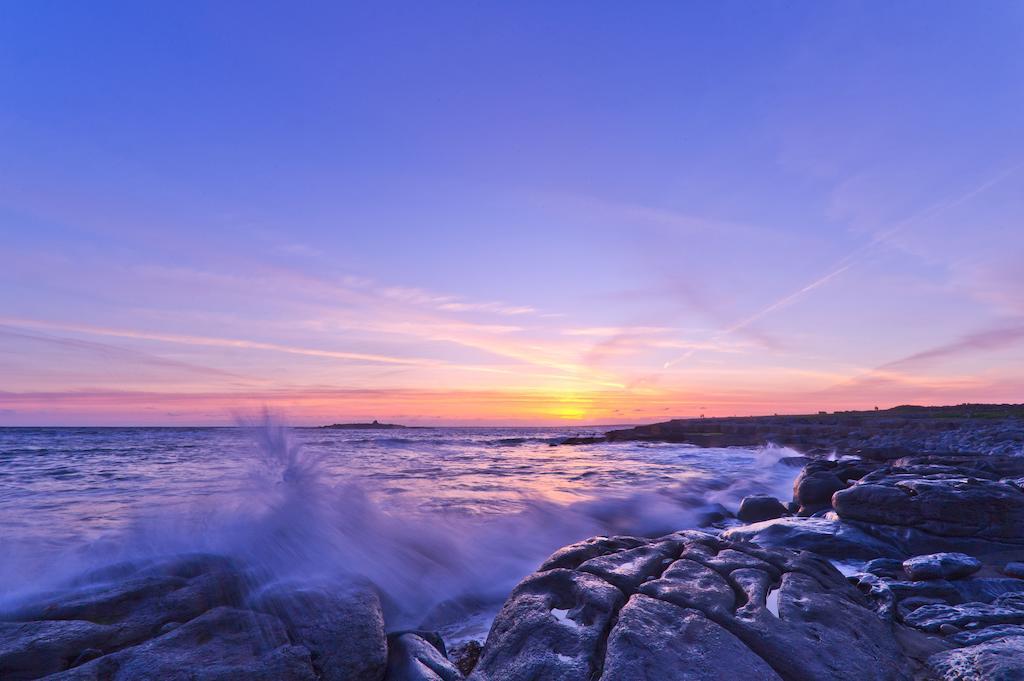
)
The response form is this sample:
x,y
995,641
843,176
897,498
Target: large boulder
x,y
340,623
110,609
689,605
193,617
221,645
657,641
944,504
814,487
29,650
553,626
754,509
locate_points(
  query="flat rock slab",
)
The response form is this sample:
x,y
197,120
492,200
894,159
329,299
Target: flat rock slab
x,y
657,641
1006,609
944,504
829,538
941,566
708,608
223,644
1000,659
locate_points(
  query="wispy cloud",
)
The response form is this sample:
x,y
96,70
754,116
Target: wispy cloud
x,y
209,341
982,341
116,353
858,254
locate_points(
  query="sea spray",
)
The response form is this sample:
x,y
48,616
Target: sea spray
x,y
275,502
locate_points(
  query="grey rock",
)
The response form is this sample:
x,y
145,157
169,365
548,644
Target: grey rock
x,y
718,595
553,626
657,641
814,487
1014,569
29,650
341,624
138,604
466,655
885,567
1000,659
754,509
689,584
941,566
573,555
953,506
221,645
830,538
1006,609
970,638
411,657
628,569
986,589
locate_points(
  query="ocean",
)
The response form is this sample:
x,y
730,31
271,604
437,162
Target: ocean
x,y
444,521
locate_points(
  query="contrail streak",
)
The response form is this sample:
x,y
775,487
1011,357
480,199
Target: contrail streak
x,y
851,259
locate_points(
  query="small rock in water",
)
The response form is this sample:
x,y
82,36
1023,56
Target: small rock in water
x,y
941,566
1014,570
815,485
411,657
754,509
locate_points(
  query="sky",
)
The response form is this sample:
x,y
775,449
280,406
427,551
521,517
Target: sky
x,y
473,213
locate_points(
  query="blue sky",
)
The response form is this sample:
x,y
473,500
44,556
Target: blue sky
x,y
520,212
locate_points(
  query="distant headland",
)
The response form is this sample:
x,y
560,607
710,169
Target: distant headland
x,y
375,425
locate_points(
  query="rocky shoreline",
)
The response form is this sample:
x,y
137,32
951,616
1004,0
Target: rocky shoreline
x,y
877,434
881,567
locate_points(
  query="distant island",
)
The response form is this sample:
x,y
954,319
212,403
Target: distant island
x,y
375,425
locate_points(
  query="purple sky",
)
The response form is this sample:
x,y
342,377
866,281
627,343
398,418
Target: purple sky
x,y
507,212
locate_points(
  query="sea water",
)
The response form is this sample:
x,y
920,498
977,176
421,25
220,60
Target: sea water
x,y
444,521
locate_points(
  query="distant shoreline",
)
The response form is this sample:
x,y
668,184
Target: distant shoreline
x,y
375,425
883,434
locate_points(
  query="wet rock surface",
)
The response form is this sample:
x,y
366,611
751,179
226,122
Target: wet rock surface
x,y
941,566
688,606
825,536
934,544
339,623
192,617
418,656
1000,659
754,509
224,643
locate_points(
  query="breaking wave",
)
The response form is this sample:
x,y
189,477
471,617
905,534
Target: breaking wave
x,y
290,517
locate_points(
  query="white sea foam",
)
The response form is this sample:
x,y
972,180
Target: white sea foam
x,y
444,522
